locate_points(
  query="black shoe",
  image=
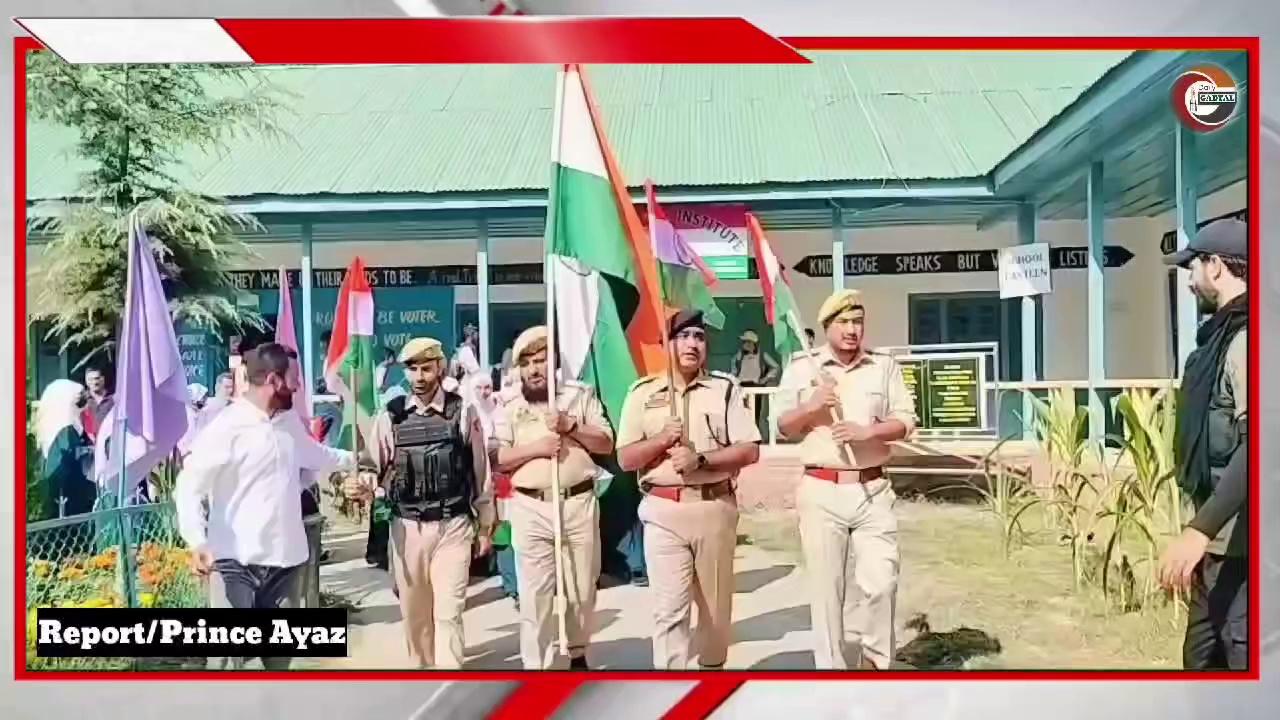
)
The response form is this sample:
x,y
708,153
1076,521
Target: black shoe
x,y
639,579
579,663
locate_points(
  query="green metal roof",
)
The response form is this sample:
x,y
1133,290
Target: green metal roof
x,y
851,116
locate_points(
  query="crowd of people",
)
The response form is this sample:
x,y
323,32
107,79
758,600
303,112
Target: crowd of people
x,y
466,463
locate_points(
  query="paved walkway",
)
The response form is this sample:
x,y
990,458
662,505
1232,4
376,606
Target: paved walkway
x,y
771,611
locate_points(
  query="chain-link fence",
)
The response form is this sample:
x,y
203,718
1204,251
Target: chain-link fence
x,y
122,557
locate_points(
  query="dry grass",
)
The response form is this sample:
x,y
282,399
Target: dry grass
x,y
953,571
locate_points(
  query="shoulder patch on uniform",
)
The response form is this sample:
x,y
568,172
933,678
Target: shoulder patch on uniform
x,y
724,376
642,381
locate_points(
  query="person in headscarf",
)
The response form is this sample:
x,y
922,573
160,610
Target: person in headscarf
x,y
196,393
203,410
68,453
466,359
480,419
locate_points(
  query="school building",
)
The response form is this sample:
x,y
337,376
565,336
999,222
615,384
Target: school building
x,y
900,174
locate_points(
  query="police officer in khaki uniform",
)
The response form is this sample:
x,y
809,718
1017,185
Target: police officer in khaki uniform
x,y
688,444
528,437
845,417
440,503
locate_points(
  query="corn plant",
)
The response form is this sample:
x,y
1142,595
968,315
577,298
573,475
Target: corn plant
x,y
1126,505
1148,419
1076,500
1007,494
1060,429
1148,501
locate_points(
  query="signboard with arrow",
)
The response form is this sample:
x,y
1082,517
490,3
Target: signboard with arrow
x,y
952,261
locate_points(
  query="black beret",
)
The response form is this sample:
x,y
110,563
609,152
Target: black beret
x,y
685,319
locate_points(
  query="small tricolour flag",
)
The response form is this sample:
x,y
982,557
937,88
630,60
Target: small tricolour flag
x,y
686,279
348,369
779,304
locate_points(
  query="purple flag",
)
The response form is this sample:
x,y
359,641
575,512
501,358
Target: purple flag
x,y
150,412
286,336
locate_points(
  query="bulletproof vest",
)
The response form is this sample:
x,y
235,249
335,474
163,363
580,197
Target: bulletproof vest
x,y
432,474
1224,430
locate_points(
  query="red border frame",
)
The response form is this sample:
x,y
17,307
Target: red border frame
x,y
548,690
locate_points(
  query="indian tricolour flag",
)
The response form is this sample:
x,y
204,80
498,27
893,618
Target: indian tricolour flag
x,y
348,370
607,299
779,304
686,279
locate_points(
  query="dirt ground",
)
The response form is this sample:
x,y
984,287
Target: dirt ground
x,y
952,571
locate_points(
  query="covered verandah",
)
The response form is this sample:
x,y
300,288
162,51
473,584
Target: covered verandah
x,y
1116,152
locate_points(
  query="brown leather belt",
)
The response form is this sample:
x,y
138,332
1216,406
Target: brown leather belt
x,y
843,477
546,495
689,493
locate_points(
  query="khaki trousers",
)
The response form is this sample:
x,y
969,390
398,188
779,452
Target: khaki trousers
x,y
849,537
431,562
533,537
688,548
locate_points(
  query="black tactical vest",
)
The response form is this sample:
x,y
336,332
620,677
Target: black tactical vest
x,y
432,475
1225,430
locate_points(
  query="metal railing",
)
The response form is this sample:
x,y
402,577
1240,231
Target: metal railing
x,y
1005,399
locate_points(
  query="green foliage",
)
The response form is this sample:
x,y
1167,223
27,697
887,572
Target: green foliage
x,y
1115,509
1007,495
133,121
132,124
1145,502
1060,427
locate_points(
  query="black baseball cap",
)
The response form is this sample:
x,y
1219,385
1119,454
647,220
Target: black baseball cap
x,y
1225,238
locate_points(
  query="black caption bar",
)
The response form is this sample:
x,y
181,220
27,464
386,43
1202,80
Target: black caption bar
x,y
140,632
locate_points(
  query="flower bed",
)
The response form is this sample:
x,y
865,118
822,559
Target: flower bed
x,y
95,581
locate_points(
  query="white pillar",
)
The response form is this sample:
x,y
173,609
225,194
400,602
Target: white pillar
x,y
1187,179
1097,300
308,339
837,250
1028,234
482,288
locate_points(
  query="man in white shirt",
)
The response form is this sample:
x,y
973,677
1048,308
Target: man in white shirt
x,y
247,464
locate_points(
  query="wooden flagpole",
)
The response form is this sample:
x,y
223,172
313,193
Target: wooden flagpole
x,y
561,599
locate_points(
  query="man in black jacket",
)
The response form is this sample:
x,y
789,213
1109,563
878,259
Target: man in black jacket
x,y
1210,558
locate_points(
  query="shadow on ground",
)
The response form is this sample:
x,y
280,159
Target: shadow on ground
x,y
355,582
484,597
622,654
501,653
794,660
750,581
772,625
376,615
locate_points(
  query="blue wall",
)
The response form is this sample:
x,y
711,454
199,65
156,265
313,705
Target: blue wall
x,y
403,313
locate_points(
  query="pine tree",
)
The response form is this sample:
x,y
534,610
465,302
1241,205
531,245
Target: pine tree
x,y
134,123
